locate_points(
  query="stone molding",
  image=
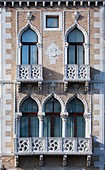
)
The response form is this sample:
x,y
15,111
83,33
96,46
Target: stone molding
x,y
44,3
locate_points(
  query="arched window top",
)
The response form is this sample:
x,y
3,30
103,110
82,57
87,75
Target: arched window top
x,y
75,106
29,105
29,36
75,36
52,106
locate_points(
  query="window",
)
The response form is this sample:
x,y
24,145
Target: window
x,y
52,21
75,40
52,121
76,121
29,52
29,121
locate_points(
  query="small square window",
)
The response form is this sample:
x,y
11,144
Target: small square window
x,y
52,21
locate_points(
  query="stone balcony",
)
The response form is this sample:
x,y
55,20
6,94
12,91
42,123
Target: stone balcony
x,y
77,73
53,145
29,73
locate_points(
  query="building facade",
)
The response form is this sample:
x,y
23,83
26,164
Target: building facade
x,y
52,90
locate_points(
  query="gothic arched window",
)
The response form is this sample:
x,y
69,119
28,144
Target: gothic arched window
x,y
52,121
29,52
75,41
76,121
29,126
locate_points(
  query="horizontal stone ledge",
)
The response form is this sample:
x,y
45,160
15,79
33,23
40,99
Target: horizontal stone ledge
x,y
52,2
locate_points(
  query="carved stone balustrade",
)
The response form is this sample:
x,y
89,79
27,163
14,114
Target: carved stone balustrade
x,y
27,73
75,73
58,145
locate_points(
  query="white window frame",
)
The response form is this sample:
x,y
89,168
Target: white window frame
x,y
45,14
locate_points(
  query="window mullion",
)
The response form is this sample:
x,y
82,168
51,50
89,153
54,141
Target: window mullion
x,y
29,54
29,126
76,54
75,125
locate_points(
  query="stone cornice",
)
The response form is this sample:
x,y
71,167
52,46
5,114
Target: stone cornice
x,y
51,3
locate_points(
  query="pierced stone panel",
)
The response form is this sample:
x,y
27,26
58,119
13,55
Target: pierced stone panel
x,y
23,72
53,145
23,145
38,145
35,72
83,72
71,72
75,72
68,145
76,146
29,72
83,145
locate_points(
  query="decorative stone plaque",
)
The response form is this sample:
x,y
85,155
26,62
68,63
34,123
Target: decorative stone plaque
x,y
53,52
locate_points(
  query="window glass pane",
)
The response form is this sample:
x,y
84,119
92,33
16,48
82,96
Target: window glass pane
x,y
29,36
75,106
25,54
57,106
24,126
70,126
34,126
33,54
71,54
57,126
75,36
47,126
29,105
80,126
52,22
52,105
80,59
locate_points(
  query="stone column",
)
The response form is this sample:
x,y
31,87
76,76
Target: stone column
x,y
17,124
17,129
41,118
87,117
64,122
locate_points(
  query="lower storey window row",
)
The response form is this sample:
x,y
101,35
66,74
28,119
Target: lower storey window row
x,y
52,125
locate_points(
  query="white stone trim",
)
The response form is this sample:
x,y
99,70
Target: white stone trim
x,y
52,14
5,25
4,127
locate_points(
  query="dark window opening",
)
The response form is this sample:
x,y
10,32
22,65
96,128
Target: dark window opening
x,y
29,52
52,21
75,52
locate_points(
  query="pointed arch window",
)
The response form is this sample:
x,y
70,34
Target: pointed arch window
x,y
29,53
75,41
29,126
52,121
76,121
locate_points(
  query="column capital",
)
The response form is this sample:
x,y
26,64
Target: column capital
x,y
39,45
66,44
41,115
64,114
19,44
87,115
18,114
